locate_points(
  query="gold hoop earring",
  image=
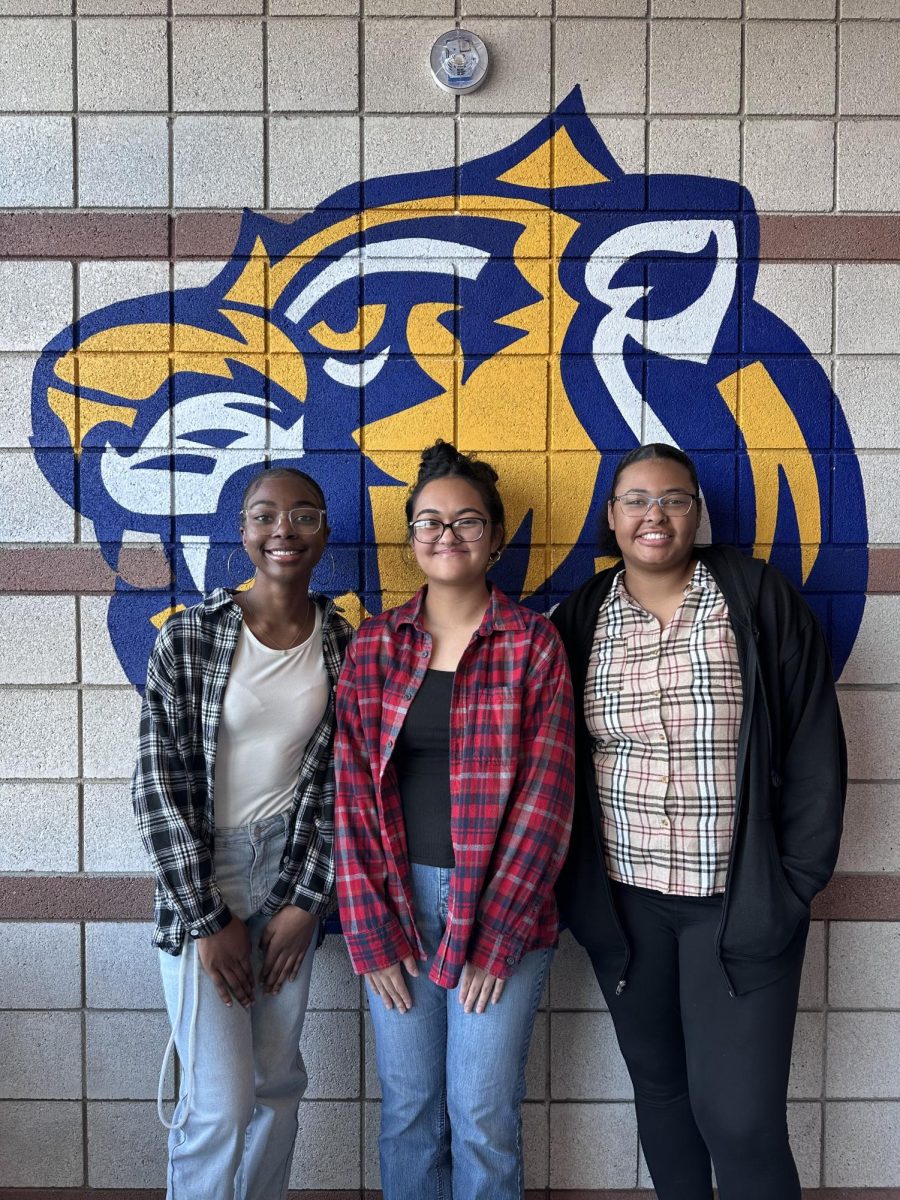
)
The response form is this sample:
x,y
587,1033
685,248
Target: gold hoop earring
x,y
494,556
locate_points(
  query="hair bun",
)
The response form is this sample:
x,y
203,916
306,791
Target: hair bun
x,y
441,455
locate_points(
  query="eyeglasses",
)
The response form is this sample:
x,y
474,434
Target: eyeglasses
x,y
467,529
675,504
304,520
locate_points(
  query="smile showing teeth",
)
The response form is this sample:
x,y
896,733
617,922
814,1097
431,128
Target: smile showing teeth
x,y
284,553
654,537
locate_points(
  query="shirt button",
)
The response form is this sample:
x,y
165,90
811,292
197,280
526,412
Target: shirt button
x,y
423,654
665,822
410,694
390,743
662,778
510,960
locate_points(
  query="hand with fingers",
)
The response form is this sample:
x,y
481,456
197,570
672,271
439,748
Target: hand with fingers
x,y
477,989
225,957
390,984
284,943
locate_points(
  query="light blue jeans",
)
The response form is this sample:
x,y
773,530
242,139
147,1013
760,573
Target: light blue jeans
x,y
248,1073
453,1082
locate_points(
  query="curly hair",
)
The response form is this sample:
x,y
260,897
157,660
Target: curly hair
x,y
443,461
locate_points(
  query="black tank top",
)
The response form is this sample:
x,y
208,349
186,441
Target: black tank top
x,y
422,762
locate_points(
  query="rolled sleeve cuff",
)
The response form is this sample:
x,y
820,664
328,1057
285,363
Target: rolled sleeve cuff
x,y
213,922
375,949
499,956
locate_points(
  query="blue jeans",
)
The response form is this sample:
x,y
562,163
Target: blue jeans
x,y
248,1073
452,1082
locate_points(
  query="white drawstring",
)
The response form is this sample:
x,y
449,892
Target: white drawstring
x,y
187,1067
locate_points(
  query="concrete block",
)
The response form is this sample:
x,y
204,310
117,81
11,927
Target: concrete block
x,y
122,8
40,827
786,289
812,981
217,64
389,86
536,1140
227,8
126,1145
863,385
40,1056
218,162
593,1146
311,157
871,840
38,717
863,1056
416,8
536,1072
99,663
868,157
871,717
716,89
16,371
32,512
35,8
861,1145
37,639
334,983
807,1057
792,9
864,964
805,1133
585,1060
41,1144
868,317
371,1128
328,1150
371,1082
123,1052
123,66
878,469
870,82
625,140
608,58
314,8
519,78
875,658
121,966
414,143
696,146
102,283
48,980
573,984
123,162
611,8
35,302
36,162
790,67
333,45
111,841
188,274
35,65
109,739
868,8
697,8
331,1051
789,165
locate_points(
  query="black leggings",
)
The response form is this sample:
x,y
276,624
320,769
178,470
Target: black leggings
x,y
710,1071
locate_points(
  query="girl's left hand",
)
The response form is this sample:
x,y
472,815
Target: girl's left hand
x,y
477,988
284,943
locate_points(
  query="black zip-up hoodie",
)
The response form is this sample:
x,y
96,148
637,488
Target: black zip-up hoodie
x,y
791,777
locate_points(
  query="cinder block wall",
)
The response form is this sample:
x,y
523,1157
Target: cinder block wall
x,y
131,133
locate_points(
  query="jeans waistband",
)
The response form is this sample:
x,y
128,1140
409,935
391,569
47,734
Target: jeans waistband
x,y
256,832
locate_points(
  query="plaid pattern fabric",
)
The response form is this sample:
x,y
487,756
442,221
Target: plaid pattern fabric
x,y
172,786
664,709
511,782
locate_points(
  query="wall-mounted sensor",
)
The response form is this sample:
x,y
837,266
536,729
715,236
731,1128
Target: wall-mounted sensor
x,y
459,61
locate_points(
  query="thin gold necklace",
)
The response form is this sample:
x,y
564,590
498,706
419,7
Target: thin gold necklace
x,y
296,638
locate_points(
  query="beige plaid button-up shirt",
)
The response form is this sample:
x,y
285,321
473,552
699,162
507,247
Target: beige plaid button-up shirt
x,y
664,709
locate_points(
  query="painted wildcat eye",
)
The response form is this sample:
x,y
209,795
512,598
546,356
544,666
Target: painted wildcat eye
x,y
369,321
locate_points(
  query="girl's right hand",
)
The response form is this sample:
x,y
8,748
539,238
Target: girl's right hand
x,y
225,957
391,986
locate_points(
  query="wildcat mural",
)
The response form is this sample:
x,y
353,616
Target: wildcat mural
x,y
538,305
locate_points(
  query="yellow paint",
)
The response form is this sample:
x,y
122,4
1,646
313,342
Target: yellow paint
x,y
250,287
571,474
775,440
80,415
160,618
556,163
605,560
352,608
367,327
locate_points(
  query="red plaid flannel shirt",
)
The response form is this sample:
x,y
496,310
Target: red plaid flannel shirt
x,y
511,784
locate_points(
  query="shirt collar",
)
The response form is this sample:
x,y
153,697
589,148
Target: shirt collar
x,y
701,580
223,598
501,613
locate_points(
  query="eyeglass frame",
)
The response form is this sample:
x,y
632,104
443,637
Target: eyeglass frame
x,y
657,500
445,525
323,517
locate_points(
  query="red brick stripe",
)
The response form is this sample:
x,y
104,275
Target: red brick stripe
x,y
130,898
828,237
